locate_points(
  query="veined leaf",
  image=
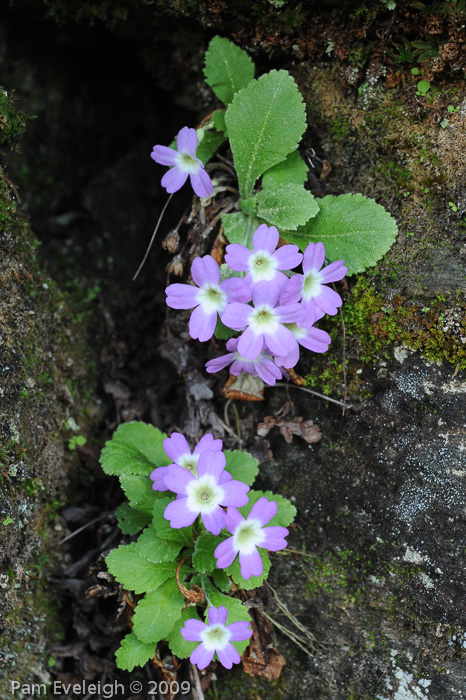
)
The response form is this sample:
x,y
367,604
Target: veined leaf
x,y
353,228
242,466
239,228
131,521
292,170
139,492
133,652
286,207
209,144
227,68
203,557
155,615
158,549
135,448
135,572
265,123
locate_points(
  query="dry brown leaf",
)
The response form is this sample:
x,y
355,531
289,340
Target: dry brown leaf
x,y
245,387
288,428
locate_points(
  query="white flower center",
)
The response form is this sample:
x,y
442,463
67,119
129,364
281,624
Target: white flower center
x,y
248,535
312,284
186,163
204,494
189,461
262,266
263,319
212,298
296,330
215,637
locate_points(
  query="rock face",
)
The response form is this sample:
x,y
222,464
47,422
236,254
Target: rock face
x,y
372,591
45,388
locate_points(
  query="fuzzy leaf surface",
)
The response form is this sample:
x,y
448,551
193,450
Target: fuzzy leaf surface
x,y
133,652
155,615
135,572
135,448
292,170
241,465
265,123
227,68
352,228
287,207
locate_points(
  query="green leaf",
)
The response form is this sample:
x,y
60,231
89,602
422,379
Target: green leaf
x,y
255,581
222,332
203,557
218,120
155,615
133,652
135,572
156,549
209,144
227,68
131,521
242,466
353,228
236,611
292,170
178,645
287,207
239,228
265,122
222,580
135,448
286,512
139,492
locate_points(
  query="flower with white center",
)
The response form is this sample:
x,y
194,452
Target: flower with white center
x,y
184,163
178,451
263,366
203,495
248,535
209,297
264,323
311,287
264,262
215,638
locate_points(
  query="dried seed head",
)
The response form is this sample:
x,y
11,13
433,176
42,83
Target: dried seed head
x,y
171,241
175,266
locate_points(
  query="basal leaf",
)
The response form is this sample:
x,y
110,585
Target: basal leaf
x,y
135,572
242,466
203,557
131,521
155,615
265,123
156,549
292,170
227,68
135,448
139,492
239,228
353,228
209,144
286,512
287,207
178,644
221,580
133,652
254,581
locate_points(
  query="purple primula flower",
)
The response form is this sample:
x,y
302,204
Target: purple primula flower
x,y
209,297
309,337
178,451
264,262
264,323
203,495
216,637
184,163
263,366
311,286
248,535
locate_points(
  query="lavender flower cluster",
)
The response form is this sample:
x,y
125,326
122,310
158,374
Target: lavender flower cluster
x,y
283,311
203,487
